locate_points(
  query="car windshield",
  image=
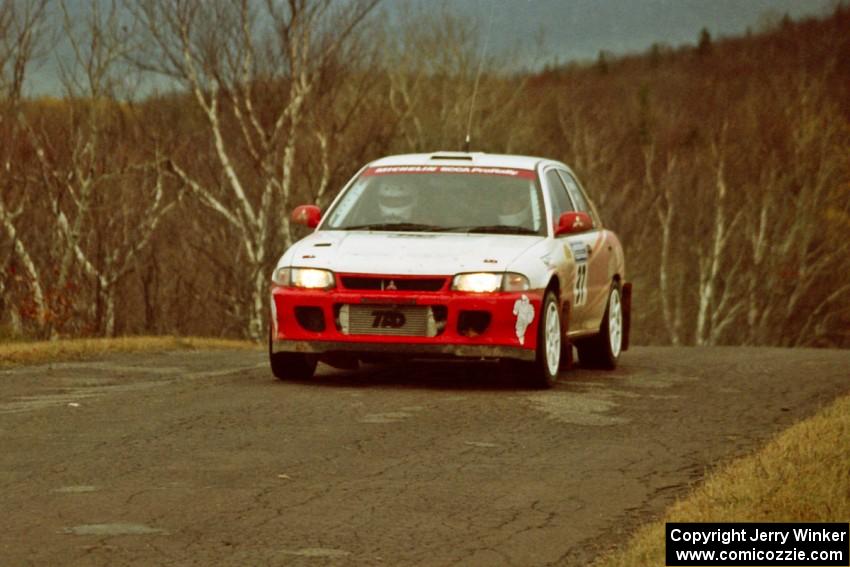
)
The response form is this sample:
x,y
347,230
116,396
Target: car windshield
x,y
441,199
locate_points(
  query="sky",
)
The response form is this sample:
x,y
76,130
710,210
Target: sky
x,y
570,30
580,29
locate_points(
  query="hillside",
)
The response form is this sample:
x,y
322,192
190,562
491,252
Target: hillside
x,y
723,168
744,139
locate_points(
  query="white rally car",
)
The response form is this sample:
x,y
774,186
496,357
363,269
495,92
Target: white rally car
x,y
465,255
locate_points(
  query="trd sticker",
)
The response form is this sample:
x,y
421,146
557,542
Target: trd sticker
x,y
388,319
524,311
581,255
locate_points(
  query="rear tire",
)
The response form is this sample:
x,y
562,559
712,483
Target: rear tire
x,y
291,365
603,349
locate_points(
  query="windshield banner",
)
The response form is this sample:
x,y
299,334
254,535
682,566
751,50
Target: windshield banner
x,y
404,169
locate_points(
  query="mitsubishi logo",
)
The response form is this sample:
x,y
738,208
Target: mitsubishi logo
x,y
391,286
577,223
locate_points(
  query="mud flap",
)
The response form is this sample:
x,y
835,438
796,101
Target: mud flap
x,y
627,314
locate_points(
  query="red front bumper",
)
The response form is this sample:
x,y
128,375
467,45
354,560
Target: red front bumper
x,y
498,340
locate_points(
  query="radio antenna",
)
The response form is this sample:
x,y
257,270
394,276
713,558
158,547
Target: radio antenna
x,y
478,79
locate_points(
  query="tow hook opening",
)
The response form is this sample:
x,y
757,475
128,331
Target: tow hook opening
x,y
310,318
473,323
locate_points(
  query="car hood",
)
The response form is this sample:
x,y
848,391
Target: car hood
x,y
407,253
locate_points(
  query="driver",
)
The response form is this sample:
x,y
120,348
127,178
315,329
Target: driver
x,y
396,201
515,208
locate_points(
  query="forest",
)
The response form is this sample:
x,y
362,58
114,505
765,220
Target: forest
x,y
151,194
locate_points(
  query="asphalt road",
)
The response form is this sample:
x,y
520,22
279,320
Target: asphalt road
x,y
202,458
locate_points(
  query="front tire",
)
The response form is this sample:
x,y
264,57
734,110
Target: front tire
x,y
549,342
291,365
603,349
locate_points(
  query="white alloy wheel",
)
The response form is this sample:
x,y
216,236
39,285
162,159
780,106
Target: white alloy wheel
x,y
615,322
553,338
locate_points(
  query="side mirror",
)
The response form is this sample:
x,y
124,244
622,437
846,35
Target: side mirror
x,y
572,223
308,215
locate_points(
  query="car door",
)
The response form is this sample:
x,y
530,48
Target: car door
x,y
594,247
574,247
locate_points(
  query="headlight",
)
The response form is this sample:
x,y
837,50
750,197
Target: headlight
x,y
312,278
308,278
481,282
486,282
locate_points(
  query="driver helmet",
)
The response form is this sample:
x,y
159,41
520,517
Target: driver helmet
x,y
396,200
515,208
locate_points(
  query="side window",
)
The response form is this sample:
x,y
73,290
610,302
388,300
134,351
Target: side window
x,y
558,195
575,193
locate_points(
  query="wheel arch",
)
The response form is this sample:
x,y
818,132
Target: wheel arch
x,y
554,285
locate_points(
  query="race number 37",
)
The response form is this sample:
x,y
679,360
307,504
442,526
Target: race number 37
x,y
580,254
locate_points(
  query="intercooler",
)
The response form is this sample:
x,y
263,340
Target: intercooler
x,y
387,320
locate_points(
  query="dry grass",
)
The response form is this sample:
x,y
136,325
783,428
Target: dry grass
x,y
14,354
802,475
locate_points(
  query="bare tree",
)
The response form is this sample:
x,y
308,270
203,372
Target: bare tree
x,y
22,26
796,232
105,201
252,69
346,120
666,208
717,308
442,81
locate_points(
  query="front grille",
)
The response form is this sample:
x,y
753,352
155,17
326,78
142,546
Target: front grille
x,y
388,320
386,283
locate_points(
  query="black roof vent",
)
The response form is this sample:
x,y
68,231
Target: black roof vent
x,y
462,157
